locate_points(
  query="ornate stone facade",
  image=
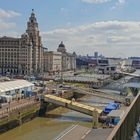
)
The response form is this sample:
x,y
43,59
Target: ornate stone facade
x,y
26,56
33,32
68,59
22,55
52,62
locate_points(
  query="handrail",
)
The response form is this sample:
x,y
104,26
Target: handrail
x,y
117,127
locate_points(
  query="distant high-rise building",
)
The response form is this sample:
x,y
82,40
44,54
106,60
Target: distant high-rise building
x,y
96,54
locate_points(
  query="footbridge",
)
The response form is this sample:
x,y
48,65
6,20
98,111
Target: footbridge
x,y
73,105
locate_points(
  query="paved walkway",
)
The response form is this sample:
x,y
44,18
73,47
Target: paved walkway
x,y
75,132
98,134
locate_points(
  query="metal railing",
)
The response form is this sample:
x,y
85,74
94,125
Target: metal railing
x,y
125,129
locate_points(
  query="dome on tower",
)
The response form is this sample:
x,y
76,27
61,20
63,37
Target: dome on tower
x,y
74,53
32,18
61,45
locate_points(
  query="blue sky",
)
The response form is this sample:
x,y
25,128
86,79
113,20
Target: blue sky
x,y
111,27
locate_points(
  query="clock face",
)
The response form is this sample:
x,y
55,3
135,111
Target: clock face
x,y
33,27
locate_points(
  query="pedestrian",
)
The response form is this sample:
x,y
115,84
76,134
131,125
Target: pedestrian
x,y
72,100
9,105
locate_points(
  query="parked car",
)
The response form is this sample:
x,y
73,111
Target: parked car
x,y
111,106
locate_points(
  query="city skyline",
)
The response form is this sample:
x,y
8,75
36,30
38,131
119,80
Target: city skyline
x,y
111,27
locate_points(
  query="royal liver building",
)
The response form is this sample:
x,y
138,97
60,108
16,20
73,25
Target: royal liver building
x,y
22,55
26,56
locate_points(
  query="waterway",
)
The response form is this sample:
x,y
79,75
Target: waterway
x,y
55,122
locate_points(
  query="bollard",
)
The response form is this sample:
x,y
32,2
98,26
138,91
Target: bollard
x,y
95,116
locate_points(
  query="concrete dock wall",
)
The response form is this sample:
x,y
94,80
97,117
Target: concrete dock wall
x,y
125,129
19,116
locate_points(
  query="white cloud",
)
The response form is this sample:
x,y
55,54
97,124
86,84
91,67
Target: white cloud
x,y
96,1
110,38
5,19
8,13
121,1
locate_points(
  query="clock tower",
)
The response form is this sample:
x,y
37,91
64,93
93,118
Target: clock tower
x,y
33,32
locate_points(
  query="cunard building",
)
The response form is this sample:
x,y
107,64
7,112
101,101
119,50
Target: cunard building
x,y
22,55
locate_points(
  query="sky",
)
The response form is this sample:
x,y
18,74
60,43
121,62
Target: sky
x,y
110,27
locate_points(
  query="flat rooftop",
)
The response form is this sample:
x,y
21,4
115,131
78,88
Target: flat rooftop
x,y
13,85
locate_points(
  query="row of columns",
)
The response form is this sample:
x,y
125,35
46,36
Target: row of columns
x,y
12,71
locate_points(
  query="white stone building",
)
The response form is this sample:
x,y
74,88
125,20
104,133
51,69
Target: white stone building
x,y
26,55
52,61
68,59
22,55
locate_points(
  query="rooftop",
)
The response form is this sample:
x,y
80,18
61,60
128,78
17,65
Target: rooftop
x,y
13,85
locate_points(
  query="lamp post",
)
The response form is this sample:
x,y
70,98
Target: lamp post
x,y
9,105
